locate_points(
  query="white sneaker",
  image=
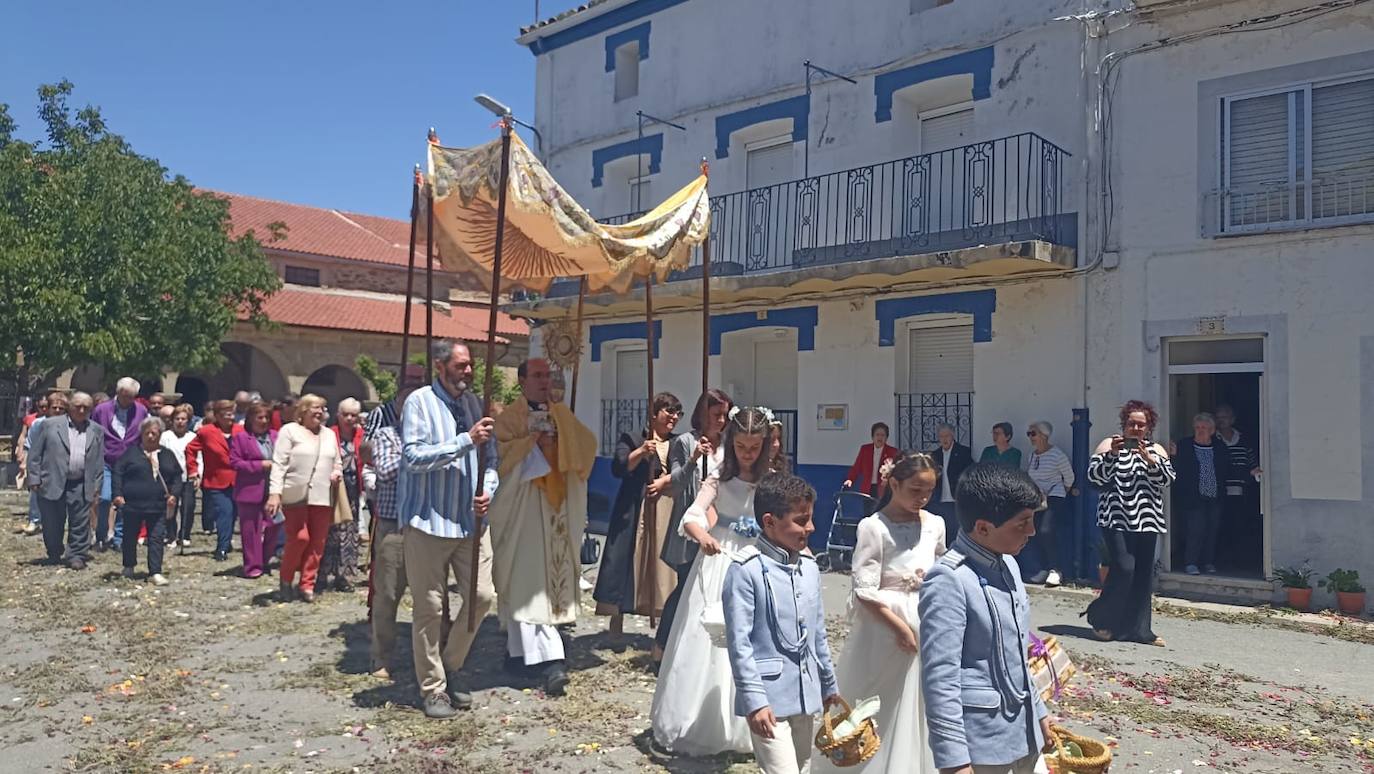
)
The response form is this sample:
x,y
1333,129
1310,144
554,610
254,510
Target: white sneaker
x,y
128,572
159,579
1039,577
186,543
584,585
1053,579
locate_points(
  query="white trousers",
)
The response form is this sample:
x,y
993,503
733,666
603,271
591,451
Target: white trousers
x,y
1031,764
789,751
537,643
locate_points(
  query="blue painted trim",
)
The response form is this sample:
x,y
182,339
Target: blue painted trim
x,y
796,108
639,33
600,334
803,318
977,62
652,144
596,25
979,303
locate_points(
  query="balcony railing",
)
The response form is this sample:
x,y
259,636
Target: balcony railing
x,y
1004,190
1329,200
920,414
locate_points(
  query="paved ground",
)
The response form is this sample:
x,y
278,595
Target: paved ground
x,y
98,673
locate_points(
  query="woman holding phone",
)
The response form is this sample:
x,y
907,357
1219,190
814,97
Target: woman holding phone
x,y
1132,473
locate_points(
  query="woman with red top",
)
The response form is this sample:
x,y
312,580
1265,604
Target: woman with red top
x,y
864,471
216,472
250,452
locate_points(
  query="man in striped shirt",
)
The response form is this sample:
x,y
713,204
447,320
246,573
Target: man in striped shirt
x,y
442,428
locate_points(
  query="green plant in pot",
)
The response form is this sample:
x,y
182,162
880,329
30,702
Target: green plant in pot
x,y
1297,583
1349,592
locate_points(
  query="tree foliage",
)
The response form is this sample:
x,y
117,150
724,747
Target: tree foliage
x,y
105,259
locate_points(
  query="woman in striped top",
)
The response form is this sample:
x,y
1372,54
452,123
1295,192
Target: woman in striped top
x,y
1051,470
1132,472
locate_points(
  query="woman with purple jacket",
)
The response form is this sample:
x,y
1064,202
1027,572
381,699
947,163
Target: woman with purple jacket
x,y
250,454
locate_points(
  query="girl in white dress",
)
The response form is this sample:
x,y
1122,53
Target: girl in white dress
x,y
895,548
694,703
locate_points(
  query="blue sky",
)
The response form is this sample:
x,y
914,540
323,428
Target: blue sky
x,y
323,103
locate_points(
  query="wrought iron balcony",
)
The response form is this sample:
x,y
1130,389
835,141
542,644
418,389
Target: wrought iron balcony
x,y
997,191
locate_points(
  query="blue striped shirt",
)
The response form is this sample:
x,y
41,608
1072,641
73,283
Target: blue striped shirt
x,y
438,478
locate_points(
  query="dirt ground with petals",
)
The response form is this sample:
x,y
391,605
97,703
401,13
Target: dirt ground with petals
x,y
209,674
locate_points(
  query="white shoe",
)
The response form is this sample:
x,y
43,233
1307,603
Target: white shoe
x,y
143,541
159,579
1053,579
186,543
584,585
1039,577
128,572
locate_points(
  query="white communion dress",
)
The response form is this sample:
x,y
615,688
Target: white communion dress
x,y
693,711
891,559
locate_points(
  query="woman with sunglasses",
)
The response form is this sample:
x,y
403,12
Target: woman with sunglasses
x,y
633,579
1051,470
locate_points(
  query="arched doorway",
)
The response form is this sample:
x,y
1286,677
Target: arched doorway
x,y
245,368
334,383
195,391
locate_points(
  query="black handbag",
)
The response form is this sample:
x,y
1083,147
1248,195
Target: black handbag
x,y
591,552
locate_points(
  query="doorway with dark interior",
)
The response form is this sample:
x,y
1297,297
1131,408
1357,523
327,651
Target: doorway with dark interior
x,y
1224,378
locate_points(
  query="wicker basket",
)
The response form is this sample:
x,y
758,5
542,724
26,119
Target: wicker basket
x,y
1096,758
852,749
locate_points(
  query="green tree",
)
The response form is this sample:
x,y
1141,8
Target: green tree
x,y
105,259
383,381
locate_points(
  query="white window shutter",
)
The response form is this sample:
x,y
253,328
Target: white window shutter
x,y
1343,149
769,166
947,131
942,359
1258,146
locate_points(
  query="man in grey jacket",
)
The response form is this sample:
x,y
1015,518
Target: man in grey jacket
x,y
66,468
982,710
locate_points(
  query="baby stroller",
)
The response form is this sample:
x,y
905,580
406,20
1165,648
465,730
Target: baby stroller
x,y
850,508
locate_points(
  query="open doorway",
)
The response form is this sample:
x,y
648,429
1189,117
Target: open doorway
x,y
1224,378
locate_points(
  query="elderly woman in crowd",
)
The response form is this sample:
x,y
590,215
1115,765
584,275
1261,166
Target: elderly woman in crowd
x,y
143,481
250,452
305,467
863,474
1001,451
1051,470
207,458
340,561
176,438
1132,472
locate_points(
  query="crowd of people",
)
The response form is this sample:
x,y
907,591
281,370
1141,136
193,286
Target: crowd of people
x,y
707,539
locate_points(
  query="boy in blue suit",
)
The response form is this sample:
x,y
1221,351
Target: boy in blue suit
x,y
982,710
775,628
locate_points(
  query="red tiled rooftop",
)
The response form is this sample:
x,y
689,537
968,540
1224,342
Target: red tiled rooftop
x,y
320,231
378,314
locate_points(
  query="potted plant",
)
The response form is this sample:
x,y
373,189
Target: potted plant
x,y
1297,582
1349,592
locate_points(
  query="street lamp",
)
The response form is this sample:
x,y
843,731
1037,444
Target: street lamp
x,y
501,111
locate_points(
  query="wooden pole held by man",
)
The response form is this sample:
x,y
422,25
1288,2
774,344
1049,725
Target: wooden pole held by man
x,y
706,304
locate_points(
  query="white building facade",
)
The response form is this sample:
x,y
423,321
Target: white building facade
x,y
932,238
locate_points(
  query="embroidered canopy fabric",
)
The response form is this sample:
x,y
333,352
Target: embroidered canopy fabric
x,y
548,235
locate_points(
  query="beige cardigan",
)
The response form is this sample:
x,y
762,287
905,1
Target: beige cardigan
x,y
302,463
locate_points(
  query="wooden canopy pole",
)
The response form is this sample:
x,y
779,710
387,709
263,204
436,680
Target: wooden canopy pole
x,y
410,277
577,362
487,379
429,271
706,304
649,510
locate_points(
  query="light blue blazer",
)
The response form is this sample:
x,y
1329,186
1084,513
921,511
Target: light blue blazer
x,y
775,627
981,708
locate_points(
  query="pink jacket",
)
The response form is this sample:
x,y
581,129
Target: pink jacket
x,y
245,456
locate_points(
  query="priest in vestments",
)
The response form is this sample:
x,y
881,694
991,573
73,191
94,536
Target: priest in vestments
x,y
537,519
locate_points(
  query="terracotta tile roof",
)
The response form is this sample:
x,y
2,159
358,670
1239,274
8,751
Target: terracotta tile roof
x,y
377,313
562,16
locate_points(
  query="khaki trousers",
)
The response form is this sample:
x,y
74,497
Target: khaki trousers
x,y
428,562
388,584
789,751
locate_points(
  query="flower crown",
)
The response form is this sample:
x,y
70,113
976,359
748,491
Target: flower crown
x,y
767,413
